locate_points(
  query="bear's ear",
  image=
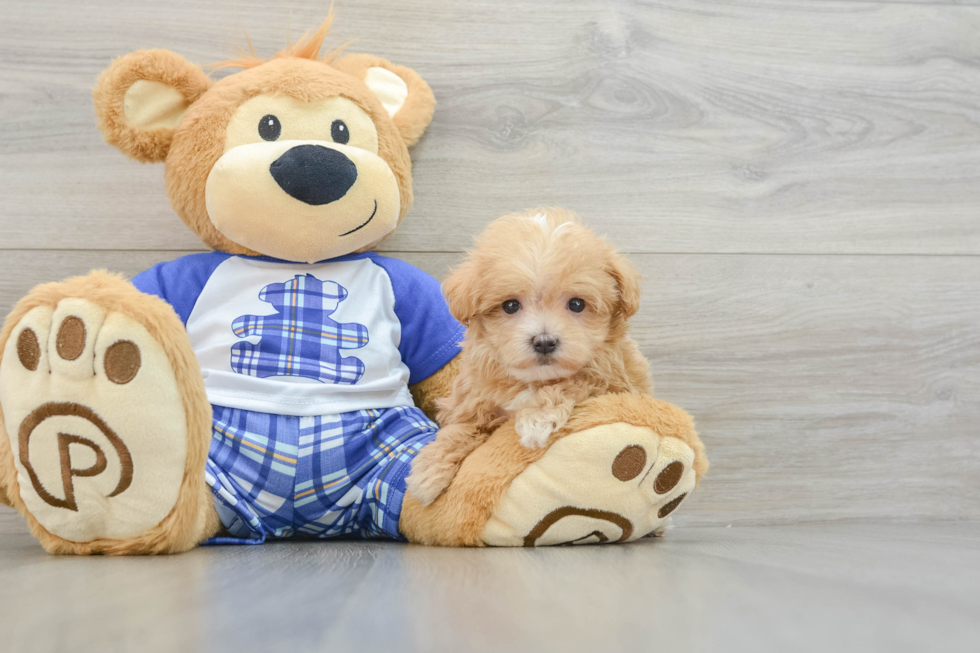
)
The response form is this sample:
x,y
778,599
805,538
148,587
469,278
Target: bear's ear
x,y
405,95
141,98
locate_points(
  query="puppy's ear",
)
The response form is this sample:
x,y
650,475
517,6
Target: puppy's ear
x,y
460,289
403,93
627,279
141,98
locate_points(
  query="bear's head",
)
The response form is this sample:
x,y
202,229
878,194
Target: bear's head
x,y
298,157
322,296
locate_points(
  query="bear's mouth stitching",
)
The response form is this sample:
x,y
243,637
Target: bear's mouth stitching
x,y
347,233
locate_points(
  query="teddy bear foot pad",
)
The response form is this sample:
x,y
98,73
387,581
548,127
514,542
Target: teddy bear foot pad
x,y
610,483
96,423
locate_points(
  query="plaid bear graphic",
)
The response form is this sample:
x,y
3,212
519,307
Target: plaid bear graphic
x,y
300,339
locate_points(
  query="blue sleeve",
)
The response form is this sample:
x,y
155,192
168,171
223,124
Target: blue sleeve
x,y
430,334
180,282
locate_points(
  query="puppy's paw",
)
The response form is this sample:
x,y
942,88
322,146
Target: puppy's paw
x,y
534,430
430,478
424,488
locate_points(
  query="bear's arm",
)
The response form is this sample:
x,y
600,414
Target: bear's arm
x,y
427,391
181,281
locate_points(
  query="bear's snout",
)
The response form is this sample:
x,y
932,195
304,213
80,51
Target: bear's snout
x,y
314,174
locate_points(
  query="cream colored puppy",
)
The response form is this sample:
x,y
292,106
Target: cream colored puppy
x,y
546,303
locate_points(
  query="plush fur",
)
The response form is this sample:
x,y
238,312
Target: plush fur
x,y
459,516
428,392
411,120
160,66
185,125
193,517
200,110
195,145
542,259
155,106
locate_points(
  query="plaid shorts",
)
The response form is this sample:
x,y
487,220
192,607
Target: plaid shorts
x,y
279,476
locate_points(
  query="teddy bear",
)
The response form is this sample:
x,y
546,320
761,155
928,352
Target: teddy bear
x,y
276,346
281,384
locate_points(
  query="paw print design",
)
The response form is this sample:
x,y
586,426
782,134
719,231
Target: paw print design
x,y
300,339
609,483
95,417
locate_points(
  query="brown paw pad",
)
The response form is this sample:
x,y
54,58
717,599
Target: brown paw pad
x,y
28,349
629,462
668,478
71,338
122,358
122,361
669,507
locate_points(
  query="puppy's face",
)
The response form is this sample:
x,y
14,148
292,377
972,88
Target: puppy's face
x,y
550,326
541,295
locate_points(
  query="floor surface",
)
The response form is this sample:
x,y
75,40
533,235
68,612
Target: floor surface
x,y
805,587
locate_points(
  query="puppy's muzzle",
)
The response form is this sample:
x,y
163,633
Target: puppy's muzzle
x,y
544,343
314,174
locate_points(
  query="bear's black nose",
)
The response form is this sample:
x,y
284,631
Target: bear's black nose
x,y
314,174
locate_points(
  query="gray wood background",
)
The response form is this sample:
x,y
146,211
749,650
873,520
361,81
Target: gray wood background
x,y
798,180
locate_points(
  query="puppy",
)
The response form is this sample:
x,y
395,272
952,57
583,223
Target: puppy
x,y
546,303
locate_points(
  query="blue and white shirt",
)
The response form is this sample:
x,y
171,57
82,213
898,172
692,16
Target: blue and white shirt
x,y
302,339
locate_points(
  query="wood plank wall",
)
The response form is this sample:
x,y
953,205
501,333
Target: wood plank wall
x,y
798,180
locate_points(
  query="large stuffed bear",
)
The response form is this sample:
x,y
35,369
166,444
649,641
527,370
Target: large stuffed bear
x,y
279,386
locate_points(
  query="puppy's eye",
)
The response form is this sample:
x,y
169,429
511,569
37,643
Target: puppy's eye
x,y
269,128
339,132
511,306
576,305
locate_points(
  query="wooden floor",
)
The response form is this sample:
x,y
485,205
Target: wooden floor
x,y
840,586
799,181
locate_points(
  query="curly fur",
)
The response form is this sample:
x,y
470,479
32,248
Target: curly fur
x,y
543,258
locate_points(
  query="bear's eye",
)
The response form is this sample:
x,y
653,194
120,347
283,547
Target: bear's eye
x,y
339,132
269,128
576,304
511,306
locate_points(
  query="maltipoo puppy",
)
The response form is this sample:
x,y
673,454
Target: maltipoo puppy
x,y
546,303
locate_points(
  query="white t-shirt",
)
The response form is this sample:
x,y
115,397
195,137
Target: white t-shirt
x,y
308,339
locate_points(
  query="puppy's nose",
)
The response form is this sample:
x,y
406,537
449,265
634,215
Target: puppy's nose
x,y
544,343
314,174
